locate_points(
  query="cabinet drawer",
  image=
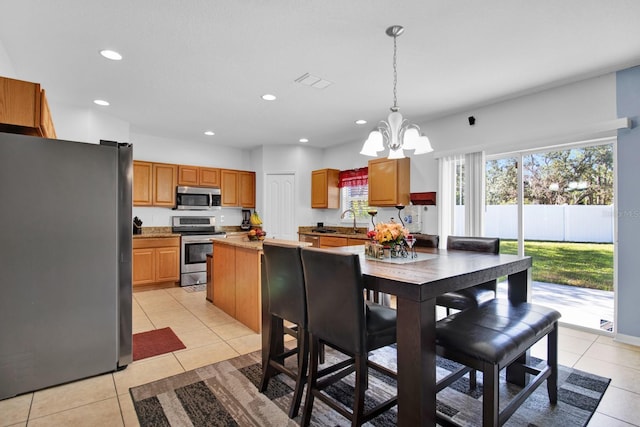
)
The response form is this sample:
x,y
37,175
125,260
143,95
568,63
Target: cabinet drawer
x,y
156,242
332,242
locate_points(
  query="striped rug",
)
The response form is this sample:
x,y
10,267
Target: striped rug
x,y
225,394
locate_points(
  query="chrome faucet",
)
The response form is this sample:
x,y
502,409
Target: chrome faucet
x,y
355,230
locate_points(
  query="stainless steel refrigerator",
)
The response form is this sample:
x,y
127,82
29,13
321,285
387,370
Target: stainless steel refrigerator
x,y
65,261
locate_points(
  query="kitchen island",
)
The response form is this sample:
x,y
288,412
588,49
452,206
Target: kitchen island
x,y
236,278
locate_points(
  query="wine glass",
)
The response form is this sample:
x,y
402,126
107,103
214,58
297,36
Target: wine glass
x,y
373,213
410,242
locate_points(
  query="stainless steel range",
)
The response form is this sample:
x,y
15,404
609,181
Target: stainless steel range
x,y
196,234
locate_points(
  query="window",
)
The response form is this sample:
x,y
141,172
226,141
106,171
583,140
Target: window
x,y
354,192
355,198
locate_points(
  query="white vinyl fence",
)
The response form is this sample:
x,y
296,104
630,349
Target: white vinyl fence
x,y
564,223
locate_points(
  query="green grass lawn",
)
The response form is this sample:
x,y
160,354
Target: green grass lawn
x,y
588,265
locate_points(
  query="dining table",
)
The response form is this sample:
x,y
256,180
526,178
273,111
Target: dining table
x,y
415,283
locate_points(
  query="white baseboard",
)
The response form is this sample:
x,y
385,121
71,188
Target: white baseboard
x,y
627,339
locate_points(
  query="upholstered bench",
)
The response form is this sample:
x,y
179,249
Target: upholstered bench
x,y
492,336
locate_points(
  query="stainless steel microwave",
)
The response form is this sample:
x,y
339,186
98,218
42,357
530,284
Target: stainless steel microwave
x,y
198,198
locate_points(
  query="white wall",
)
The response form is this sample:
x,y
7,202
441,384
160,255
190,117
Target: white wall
x,y
6,66
87,125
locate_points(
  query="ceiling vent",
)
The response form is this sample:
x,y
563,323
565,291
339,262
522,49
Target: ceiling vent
x,y
313,81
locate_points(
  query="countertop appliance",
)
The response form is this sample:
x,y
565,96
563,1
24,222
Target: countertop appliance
x,y
195,243
65,310
198,198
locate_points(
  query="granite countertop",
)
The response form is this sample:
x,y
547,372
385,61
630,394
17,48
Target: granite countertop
x,y
339,232
155,235
244,242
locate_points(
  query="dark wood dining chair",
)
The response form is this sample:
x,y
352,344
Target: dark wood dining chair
x,y
340,318
474,296
287,300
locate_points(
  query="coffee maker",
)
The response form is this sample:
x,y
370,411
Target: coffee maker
x,y
246,215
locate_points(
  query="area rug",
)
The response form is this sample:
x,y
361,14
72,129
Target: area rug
x,y
155,342
225,394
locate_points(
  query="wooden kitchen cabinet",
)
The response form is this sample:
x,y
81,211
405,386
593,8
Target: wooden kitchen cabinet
x,y
155,260
238,188
142,183
198,176
154,184
324,189
165,179
247,189
24,109
389,182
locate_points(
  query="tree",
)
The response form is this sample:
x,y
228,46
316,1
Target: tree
x,y
574,176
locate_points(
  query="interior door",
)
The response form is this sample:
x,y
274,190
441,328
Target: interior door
x,y
279,215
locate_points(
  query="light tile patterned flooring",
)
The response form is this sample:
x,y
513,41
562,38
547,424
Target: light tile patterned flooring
x,y
210,336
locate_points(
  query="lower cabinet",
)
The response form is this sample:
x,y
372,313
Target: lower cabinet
x,y
236,283
155,260
334,242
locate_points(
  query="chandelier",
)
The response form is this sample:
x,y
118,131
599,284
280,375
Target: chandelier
x,y
396,133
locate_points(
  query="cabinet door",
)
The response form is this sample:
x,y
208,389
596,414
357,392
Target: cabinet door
x,y
164,184
247,265
142,183
247,192
187,175
229,187
167,264
143,266
209,177
20,105
46,122
324,189
224,281
389,182
354,242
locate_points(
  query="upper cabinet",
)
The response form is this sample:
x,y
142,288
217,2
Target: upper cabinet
x,y
389,182
324,189
198,176
154,184
24,109
238,188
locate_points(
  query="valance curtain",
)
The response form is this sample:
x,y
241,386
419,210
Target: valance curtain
x,y
353,177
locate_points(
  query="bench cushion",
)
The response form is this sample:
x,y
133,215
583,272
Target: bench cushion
x,y
495,330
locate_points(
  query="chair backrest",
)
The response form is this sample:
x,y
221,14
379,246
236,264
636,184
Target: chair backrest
x,y
426,240
285,282
475,244
335,300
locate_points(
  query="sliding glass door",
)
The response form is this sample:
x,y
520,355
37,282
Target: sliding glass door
x,y
558,208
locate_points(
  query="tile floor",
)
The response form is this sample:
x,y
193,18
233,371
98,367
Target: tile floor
x,y
210,336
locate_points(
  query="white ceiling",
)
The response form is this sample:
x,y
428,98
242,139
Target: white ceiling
x,y
195,65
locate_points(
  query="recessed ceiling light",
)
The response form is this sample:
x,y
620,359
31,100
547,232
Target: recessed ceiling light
x,y
209,132
361,122
100,102
111,54
304,140
268,97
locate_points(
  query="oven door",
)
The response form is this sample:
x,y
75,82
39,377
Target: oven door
x,y
193,256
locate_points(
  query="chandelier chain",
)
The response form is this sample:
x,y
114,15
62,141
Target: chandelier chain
x,y
395,74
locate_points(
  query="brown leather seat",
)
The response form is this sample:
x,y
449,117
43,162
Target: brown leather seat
x,y
340,318
284,279
490,337
470,297
426,240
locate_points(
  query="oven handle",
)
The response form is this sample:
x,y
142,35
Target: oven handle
x,y
189,241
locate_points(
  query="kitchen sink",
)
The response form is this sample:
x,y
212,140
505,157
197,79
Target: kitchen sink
x,y
323,230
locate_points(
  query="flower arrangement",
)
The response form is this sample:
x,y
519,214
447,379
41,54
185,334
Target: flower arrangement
x,y
388,233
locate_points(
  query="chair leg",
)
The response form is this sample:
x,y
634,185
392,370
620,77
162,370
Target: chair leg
x,y
361,386
473,380
312,381
552,361
303,362
490,395
267,370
